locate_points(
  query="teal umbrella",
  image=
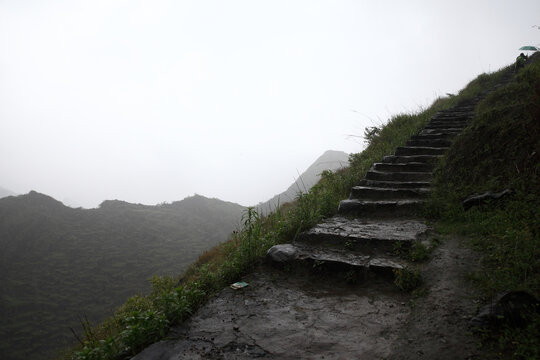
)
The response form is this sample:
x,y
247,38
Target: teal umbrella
x,y
530,48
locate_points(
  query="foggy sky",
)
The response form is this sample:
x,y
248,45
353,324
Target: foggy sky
x,y
153,101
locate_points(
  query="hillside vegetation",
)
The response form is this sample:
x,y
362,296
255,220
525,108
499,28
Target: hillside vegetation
x,y
59,263
500,150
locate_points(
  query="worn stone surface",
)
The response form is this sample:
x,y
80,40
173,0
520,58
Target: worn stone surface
x,y
286,317
404,167
282,253
411,158
343,228
381,208
418,150
429,142
395,184
371,192
398,176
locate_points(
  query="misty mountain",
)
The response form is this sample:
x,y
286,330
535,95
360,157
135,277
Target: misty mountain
x,y
5,192
58,263
330,160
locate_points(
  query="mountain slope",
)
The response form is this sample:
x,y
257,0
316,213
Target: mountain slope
x,y
58,263
330,160
5,192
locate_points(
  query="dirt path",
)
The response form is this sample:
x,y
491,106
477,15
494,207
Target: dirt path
x,y
437,327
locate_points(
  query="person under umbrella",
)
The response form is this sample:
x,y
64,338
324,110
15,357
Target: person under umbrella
x,y
520,61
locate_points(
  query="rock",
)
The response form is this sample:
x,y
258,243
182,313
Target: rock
x,y
481,199
512,308
282,253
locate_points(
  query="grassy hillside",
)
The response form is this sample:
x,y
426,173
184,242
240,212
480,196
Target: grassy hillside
x,y
500,150
59,263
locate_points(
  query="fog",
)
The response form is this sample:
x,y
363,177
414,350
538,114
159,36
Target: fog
x,y
153,101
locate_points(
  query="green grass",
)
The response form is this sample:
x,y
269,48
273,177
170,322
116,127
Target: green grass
x,y
499,150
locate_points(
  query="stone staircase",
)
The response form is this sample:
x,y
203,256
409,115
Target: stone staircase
x,y
382,212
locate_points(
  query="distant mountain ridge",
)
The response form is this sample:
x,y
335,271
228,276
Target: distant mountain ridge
x,y
331,160
5,192
58,263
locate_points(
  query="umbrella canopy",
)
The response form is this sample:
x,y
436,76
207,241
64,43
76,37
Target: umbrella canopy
x,y
530,48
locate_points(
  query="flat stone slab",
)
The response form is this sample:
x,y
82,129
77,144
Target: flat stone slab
x,y
423,150
337,259
340,257
342,229
395,184
381,208
411,158
403,167
398,176
380,193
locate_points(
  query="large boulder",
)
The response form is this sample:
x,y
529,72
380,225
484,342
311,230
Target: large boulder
x,y
512,308
282,253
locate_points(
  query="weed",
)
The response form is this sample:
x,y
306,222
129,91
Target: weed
x,y
418,252
351,277
349,245
407,279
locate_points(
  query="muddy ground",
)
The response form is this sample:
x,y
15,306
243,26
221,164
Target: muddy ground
x,y
286,315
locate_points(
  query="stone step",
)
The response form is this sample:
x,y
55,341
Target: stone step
x,y
366,237
465,115
381,208
435,136
446,126
403,167
429,143
448,121
450,131
420,150
334,259
393,159
398,176
395,184
386,193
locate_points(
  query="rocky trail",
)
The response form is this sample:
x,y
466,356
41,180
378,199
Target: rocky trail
x,y
304,305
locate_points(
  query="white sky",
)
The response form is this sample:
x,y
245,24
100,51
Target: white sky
x,y
153,101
